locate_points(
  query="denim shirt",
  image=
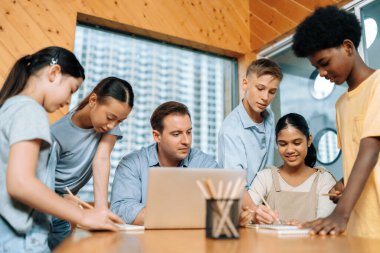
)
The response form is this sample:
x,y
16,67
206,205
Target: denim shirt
x,y
244,144
129,188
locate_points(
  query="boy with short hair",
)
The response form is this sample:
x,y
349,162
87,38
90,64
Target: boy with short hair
x,y
329,38
246,138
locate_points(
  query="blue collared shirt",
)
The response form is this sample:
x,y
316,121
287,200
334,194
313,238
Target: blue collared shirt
x,y
129,187
244,144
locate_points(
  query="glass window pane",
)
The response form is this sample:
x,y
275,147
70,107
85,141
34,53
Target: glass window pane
x,y
158,72
303,92
370,17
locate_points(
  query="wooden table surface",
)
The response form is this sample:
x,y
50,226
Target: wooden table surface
x,y
165,241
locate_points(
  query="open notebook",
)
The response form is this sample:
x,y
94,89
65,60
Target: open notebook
x,y
280,230
130,228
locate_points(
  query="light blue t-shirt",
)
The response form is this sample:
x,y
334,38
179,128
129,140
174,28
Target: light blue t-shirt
x,y
73,151
22,119
129,186
244,144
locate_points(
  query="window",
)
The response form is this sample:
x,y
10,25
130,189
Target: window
x,y
158,72
318,97
298,87
369,15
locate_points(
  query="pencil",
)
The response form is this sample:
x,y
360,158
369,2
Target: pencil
x,y
208,190
78,199
266,203
263,199
331,194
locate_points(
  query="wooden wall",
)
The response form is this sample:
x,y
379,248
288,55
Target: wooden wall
x,y
271,20
220,26
238,28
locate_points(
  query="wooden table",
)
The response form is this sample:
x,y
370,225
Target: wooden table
x,y
195,241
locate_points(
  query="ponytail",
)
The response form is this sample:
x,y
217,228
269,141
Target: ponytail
x,y
113,87
16,80
311,156
30,64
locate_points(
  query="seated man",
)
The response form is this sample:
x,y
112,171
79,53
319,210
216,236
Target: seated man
x,y
172,132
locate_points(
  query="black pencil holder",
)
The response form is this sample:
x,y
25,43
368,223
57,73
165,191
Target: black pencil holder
x,y
222,218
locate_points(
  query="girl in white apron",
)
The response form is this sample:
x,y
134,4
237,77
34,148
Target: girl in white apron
x,y
294,191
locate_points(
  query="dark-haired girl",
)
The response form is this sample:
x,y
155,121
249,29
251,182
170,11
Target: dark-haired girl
x,y
83,141
37,83
294,191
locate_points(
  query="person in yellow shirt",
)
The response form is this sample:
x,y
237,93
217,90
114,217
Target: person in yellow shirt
x,y
329,38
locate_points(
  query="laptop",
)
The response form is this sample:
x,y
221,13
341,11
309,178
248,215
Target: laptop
x,y
174,200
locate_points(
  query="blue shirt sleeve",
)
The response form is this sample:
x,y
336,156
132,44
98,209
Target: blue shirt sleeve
x,y
126,192
199,159
231,152
207,161
116,131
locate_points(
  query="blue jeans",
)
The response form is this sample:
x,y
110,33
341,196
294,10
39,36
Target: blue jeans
x,y
60,231
33,241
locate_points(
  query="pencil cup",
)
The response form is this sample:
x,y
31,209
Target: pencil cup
x,y
222,218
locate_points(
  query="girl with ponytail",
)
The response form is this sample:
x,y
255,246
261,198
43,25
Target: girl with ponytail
x,y
93,129
294,191
37,83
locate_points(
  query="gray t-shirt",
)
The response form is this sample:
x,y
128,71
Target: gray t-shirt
x,y
21,119
72,153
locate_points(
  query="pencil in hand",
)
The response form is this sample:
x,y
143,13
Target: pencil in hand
x,y
267,205
331,194
81,202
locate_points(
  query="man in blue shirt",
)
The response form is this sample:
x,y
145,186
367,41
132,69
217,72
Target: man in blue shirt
x,y
246,138
172,131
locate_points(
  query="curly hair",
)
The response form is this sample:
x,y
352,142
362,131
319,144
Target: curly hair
x,y
327,27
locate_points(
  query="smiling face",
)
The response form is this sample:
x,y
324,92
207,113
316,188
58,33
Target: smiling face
x,y
259,92
334,64
174,142
107,114
292,145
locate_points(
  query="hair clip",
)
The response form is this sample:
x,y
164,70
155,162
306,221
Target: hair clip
x,y
28,60
53,61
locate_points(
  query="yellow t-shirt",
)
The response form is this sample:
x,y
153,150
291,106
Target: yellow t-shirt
x,y
358,116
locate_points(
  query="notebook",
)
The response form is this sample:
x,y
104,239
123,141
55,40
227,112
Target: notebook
x,y
130,228
174,200
281,230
